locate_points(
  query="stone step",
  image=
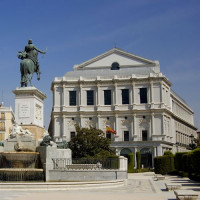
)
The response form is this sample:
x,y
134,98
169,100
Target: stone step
x,y
186,194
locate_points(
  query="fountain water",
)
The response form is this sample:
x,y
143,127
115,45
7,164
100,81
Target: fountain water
x,y
19,161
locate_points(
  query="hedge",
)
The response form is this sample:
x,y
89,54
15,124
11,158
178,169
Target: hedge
x,y
131,162
186,164
138,157
178,160
195,161
163,164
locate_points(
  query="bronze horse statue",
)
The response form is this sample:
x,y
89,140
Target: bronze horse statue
x,y
27,68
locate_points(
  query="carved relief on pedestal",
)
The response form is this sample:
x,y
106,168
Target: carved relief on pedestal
x,y
38,112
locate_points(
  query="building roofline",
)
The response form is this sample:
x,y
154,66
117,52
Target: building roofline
x,y
111,51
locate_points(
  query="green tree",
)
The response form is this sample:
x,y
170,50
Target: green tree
x,y
138,157
131,162
90,143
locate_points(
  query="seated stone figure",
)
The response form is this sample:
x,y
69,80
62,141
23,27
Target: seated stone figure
x,y
17,130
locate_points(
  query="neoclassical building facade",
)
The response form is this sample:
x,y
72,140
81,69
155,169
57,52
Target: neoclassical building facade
x,y
129,94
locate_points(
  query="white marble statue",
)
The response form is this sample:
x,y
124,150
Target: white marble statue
x,y
18,130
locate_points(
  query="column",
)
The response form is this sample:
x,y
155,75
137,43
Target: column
x,y
161,94
116,127
163,126
152,125
54,96
133,93
64,136
159,151
81,121
115,91
132,132
98,121
155,151
98,95
151,92
154,155
134,126
55,131
135,158
80,95
64,97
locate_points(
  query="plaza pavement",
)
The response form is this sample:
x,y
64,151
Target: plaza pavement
x,y
141,186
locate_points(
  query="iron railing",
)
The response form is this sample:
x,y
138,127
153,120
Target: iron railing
x,y
85,164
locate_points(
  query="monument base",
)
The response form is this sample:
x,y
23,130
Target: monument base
x,y
29,110
37,131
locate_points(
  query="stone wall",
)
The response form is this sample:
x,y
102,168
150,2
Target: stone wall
x,y
86,175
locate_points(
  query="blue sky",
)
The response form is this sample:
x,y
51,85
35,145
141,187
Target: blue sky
x,y
78,30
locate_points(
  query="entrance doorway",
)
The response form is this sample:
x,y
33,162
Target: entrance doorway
x,y
146,157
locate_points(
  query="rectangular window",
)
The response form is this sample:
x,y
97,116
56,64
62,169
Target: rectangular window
x,y
2,126
107,97
2,115
125,96
144,135
126,135
143,95
90,97
72,98
72,134
2,136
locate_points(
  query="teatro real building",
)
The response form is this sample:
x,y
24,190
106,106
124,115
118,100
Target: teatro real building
x,y
129,94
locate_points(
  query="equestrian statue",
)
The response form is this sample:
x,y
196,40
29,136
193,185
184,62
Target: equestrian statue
x,y
29,63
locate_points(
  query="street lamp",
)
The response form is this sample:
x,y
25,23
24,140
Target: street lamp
x,y
177,143
192,145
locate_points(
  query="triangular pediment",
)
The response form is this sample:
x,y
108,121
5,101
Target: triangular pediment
x,y
114,55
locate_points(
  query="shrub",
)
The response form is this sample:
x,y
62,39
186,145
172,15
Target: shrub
x,y
138,157
195,161
168,153
163,164
131,162
186,162
178,160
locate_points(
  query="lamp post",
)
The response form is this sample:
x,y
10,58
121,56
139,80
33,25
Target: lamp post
x,y
192,145
177,146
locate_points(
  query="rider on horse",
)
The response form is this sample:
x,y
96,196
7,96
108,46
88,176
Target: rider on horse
x,y
29,63
31,53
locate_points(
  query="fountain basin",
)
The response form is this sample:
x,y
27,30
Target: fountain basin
x,y
21,174
20,159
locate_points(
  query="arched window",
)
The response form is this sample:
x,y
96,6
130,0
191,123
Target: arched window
x,y
115,66
125,152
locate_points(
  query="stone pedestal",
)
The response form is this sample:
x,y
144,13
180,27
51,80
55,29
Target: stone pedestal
x,y
23,142
29,110
47,154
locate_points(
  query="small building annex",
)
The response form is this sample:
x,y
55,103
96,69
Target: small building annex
x,y
129,94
